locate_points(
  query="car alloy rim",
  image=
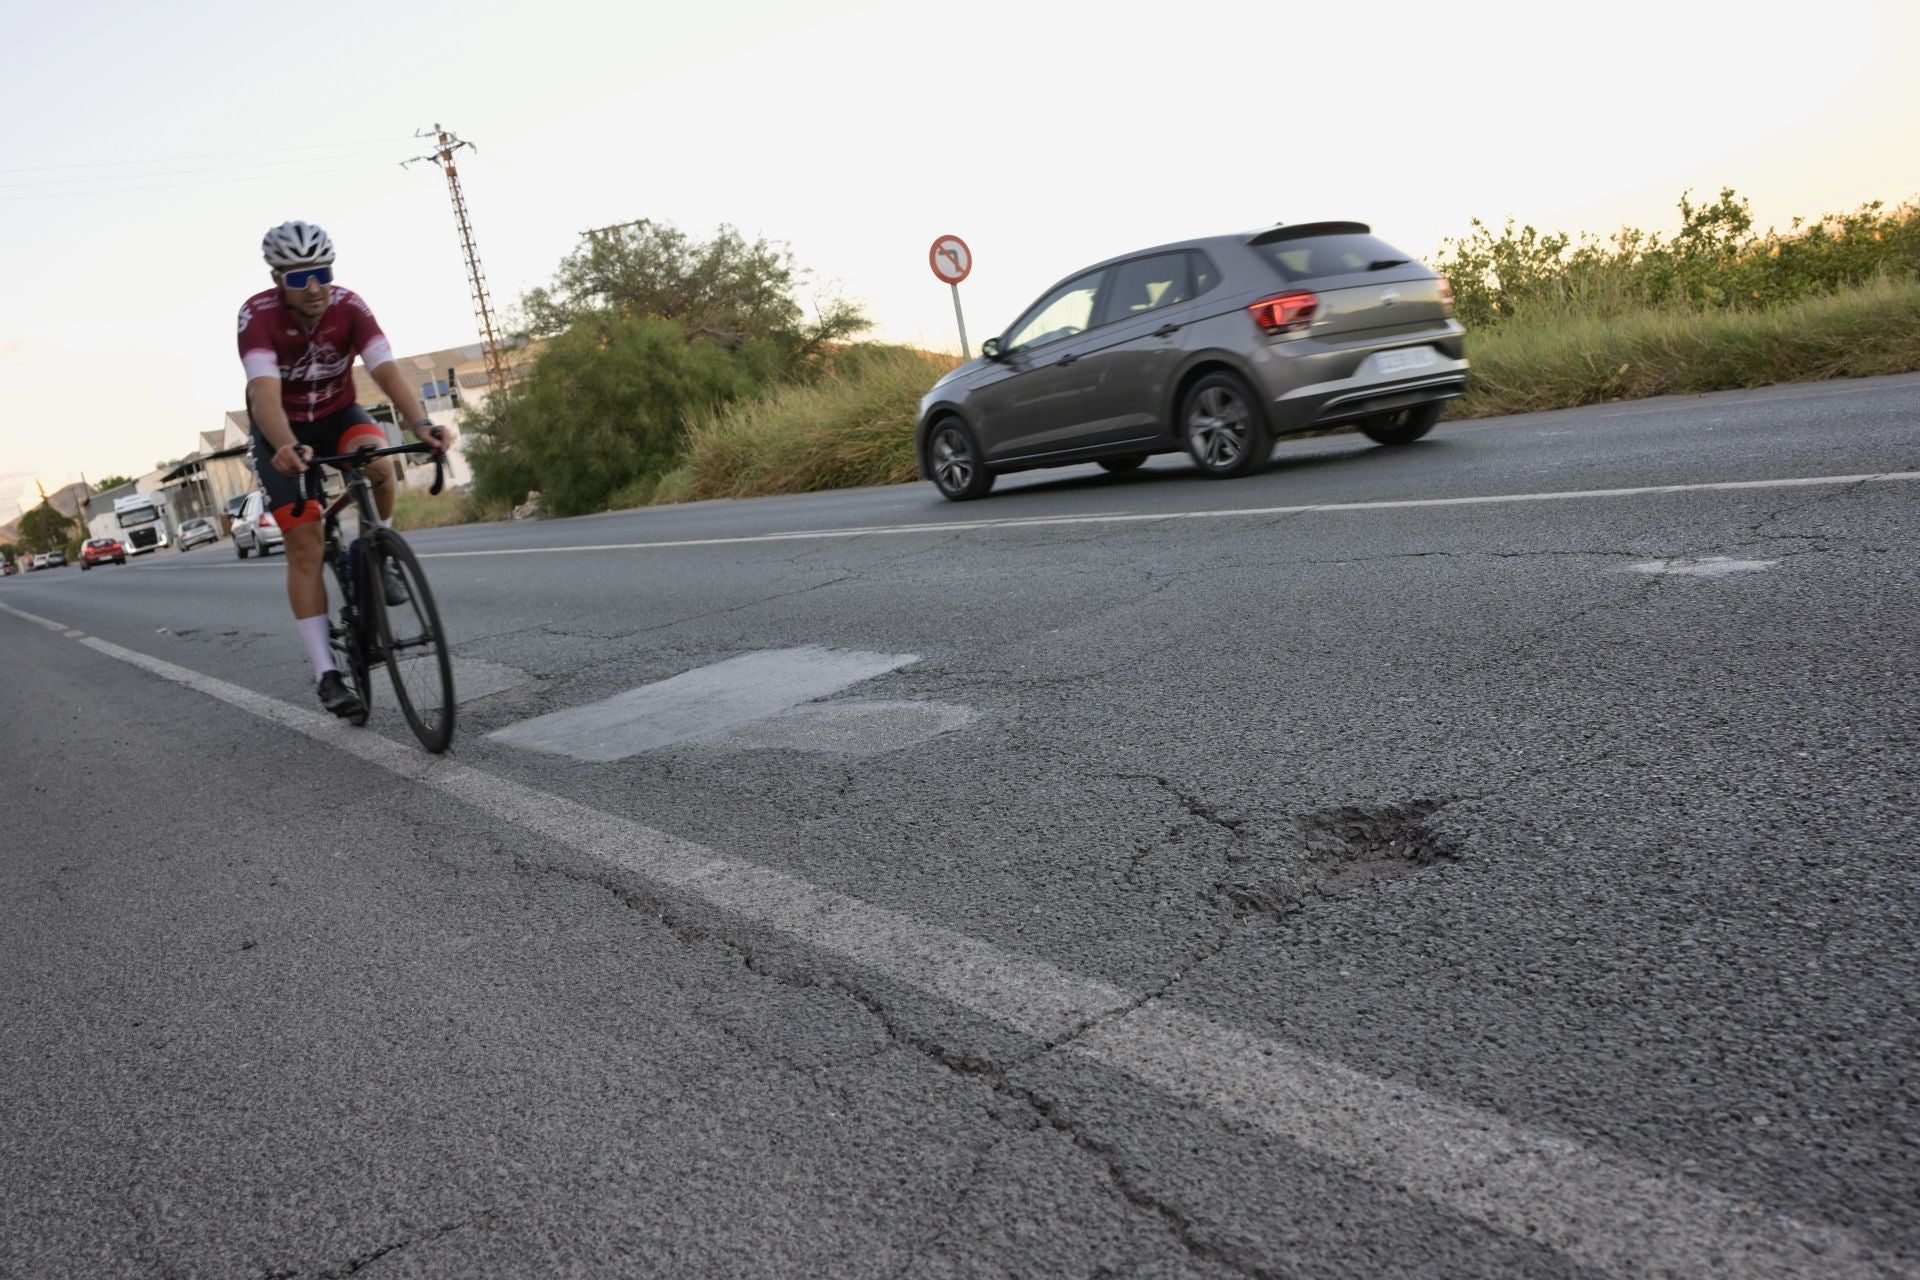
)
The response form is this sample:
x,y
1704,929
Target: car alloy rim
x,y
1217,428
952,462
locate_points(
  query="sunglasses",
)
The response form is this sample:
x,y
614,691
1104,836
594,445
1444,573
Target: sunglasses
x,y
299,276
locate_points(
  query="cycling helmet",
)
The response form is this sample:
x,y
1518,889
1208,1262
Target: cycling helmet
x,y
297,244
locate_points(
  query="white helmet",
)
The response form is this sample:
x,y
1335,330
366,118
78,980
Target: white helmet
x,y
297,244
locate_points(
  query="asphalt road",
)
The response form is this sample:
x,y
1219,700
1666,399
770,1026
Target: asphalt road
x,y
1329,873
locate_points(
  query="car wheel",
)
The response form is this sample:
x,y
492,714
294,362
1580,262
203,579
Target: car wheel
x,y
953,456
1225,427
1120,466
240,551
85,566
1403,427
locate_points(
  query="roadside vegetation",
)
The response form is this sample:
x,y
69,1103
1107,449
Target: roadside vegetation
x,y
1853,332
1556,321
677,369
419,510
646,328
852,427
45,529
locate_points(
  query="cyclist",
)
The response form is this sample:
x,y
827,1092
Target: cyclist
x,y
298,341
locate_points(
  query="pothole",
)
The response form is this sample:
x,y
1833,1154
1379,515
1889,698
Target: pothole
x,y
1352,849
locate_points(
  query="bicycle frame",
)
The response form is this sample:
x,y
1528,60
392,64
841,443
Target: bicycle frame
x,y
359,494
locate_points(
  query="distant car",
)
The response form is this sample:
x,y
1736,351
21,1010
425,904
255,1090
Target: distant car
x,y
254,528
6,568
1212,346
56,559
196,531
39,561
102,551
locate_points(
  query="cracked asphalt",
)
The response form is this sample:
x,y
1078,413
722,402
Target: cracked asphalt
x,y
1448,795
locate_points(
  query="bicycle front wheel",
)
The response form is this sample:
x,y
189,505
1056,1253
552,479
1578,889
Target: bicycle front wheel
x,y
349,636
411,640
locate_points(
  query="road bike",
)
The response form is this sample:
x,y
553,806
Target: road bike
x,y
369,631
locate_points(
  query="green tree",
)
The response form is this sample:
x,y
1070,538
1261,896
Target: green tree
x,y
112,482
605,406
726,290
10,551
45,529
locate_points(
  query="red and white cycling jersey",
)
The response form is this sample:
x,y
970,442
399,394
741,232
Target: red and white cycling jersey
x,y
315,369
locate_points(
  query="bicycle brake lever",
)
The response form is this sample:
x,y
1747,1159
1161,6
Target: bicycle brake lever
x,y
439,474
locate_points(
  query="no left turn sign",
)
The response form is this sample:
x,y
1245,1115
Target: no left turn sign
x,y
951,259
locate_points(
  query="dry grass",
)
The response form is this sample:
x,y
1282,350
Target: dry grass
x,y
852,428
420,510
1520,367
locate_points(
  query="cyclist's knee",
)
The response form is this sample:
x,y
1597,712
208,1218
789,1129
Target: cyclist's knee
x,y
303,543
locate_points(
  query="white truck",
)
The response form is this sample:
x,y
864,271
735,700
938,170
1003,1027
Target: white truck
x,y
145,521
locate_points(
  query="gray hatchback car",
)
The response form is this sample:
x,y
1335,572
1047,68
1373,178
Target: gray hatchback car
x,y
1215,346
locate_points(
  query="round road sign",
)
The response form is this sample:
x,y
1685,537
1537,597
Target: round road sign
x,y
951,259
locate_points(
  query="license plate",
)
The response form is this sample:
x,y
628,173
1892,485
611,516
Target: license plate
x,y
1403,360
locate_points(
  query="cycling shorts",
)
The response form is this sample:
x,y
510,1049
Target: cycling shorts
x,y
342,431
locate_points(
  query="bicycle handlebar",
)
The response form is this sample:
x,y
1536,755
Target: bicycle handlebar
x,y
312,481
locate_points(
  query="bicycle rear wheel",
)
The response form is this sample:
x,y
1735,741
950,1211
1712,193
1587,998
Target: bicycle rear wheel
x,y
411,641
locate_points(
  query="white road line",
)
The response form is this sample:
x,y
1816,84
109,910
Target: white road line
x,y
971,526
48,623
1598,1210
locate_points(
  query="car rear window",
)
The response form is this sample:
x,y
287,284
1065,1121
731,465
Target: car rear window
x,y
1334,255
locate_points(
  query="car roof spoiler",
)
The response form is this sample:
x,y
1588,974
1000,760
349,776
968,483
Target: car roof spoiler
x,y
1300,230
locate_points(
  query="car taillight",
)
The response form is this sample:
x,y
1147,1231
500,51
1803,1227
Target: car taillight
x,y
1446,294
266,519
1288,313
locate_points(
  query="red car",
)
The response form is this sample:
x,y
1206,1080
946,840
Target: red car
x,y
101,550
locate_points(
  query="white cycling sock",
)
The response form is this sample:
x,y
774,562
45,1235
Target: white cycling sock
x,y
313,633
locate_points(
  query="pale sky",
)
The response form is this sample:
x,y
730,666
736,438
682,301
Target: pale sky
x,y
148,147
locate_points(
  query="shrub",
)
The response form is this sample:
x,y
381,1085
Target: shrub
x,y
605,406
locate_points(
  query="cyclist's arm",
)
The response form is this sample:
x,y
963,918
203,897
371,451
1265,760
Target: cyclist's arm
x,y
263,384
263,402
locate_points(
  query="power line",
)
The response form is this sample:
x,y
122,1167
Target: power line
x,y
187,173
212,155
174,186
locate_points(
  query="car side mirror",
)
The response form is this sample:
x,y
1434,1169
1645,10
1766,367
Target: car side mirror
x,y
990,348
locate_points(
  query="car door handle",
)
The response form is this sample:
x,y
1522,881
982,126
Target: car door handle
x,y
1166,330
1069,358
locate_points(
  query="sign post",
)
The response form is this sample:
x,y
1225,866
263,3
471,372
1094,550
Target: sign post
x,y
952,262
